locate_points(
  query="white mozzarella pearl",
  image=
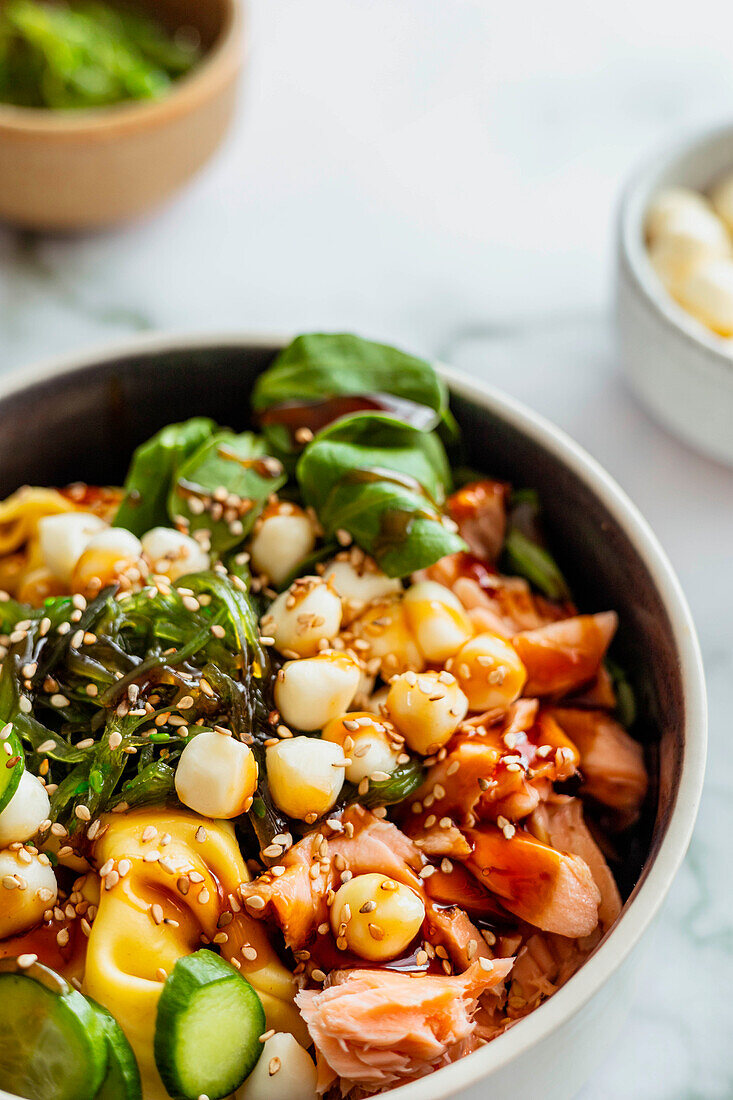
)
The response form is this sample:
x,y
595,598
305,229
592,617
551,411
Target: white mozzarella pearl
x,y
489,672
173,554
285,1071
216,775
299,619
426,708
373,747
313,690
668,205
281,541
721,197
305,775
26,810
690,235
108,554
64,538
437,620
384,627
376,917
359,584
23,905
708,295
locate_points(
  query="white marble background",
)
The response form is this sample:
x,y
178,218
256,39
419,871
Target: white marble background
x,y
444,175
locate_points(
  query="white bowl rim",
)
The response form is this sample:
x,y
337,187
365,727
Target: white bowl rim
x,y
647,900
712,354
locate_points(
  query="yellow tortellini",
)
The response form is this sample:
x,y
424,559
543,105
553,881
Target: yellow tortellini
x,y
165,893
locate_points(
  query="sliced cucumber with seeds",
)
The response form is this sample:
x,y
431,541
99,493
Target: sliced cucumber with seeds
x,y
208,1028
53,1042
122,1080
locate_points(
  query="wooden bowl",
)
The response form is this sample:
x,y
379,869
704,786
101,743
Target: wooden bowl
x,y
78,169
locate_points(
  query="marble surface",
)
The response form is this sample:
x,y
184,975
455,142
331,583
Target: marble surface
x,y
444,176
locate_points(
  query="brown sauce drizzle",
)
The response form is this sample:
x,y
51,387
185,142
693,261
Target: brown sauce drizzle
x,y
316,415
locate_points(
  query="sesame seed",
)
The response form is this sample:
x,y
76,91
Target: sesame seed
x,y
24,961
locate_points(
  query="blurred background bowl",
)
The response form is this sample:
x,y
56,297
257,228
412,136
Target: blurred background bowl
x,y
679,369
80,169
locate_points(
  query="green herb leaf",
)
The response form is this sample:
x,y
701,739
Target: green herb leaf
x,y
152,471
319,366
385,483
403,781
237,464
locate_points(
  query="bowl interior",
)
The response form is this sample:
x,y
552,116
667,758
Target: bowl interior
x,y
209,18
84,424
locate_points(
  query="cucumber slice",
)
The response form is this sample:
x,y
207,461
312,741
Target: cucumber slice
x,y
11,768
208,1028
53,1042
122,1081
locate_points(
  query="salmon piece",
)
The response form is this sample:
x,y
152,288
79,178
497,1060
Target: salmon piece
x,y
552,890
599,694
459,887
563,824
611,761
453,929
297,898
479,509
501,604
377,1028
565,655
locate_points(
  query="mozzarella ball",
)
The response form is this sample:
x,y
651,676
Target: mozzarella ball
x,y
489,672
427,709
285,1071
708,295
721,197
173,554
437,620
359,581
376,917
371,744
27,890
305,775
302,618
690,236
313,690
384,627
64,538
216,775
26,810
667,205
108,556
282,538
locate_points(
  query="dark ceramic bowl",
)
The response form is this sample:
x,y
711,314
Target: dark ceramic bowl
x,y
81,418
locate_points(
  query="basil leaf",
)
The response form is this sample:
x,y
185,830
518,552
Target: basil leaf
x,y
385,483
319,366
153,468
238,464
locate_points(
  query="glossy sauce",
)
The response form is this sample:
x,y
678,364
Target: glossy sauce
x,y
316,415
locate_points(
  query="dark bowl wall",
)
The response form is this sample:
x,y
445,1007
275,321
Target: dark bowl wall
x,y
83,425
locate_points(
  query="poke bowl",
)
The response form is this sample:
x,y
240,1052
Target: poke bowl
x,y
351,711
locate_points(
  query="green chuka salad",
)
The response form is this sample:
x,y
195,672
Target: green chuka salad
x,y
292,723
86,53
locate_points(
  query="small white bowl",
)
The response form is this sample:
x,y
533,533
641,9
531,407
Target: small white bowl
x,y
679,369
